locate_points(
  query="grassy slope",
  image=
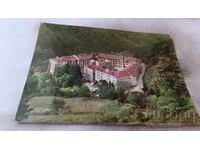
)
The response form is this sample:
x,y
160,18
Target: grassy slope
x,y
81,110
85,111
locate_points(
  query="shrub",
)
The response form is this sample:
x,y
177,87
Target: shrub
x,y
106,90
109,113
143,116
69,75
57,105
84,92
47,91
135,98
23,110
70,91
120,94
65,80
152,100
122,113
126,113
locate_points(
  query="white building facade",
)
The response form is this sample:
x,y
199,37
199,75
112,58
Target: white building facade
x,y
111,68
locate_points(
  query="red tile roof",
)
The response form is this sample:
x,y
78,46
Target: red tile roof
x,y
73,58
68,58
109,56
133,70
100,57
84,56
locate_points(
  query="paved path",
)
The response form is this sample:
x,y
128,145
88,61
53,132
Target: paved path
x,y
140,86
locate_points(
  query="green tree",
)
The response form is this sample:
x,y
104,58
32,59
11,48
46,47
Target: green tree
x,y
65,80
29,90
167,105
120,94
135,98
84,92
31,85
59,71
152,101
69,74
106,90
46,84
23,110
165,75
70,91
57,105
126,113
143,116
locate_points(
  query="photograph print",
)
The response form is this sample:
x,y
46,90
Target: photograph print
x,y
83,75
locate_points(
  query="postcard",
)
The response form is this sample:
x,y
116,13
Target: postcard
x,y
84,75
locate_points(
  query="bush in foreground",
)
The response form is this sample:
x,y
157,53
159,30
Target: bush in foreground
x,y
57,105
126,113
114,112
135,98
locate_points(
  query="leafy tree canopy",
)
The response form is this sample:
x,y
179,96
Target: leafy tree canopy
x,y
135,98
165,77
106,90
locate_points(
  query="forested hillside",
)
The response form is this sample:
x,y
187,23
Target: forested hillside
x,y
58,40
